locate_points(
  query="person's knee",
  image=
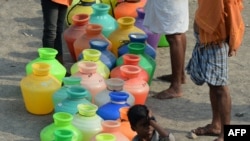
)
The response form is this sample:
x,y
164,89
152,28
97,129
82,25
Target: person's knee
x,y
220,90
174,38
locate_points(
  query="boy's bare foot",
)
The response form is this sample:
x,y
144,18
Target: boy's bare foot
x,y
168,78
168,94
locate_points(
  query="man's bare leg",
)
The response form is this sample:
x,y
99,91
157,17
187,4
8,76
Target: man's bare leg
x,y
168,77
177,55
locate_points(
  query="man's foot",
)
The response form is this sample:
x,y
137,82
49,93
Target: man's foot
x,y
168,94
168,78
207,130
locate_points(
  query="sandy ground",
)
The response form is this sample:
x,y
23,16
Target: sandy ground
x,y
20,37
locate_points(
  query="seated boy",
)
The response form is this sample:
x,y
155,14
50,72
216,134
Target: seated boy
x,y
145,125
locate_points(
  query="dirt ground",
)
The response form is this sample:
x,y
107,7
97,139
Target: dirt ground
x,y
20,37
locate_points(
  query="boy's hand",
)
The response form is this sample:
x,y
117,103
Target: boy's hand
x,y
150,114
231,53
150,117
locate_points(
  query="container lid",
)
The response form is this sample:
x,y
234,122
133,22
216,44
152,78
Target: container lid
x,y
114,84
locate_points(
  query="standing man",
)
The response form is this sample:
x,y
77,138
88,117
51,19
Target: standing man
x,y
218,36
171,18
54,13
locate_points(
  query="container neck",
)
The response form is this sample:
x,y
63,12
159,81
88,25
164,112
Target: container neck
x,y
118,97
126,22
115,84
128,1
131,59
136,48
130,71
93,29
63,135
119,102
87,68
91,55
132,1
40,73
77,23
40,69
100,48
76,92
86,2
105,137
115,90
126,26
47,53
62,123
87,110
140,13
110,126
131,62
47,57
62,119
80,19
138,37
71,81
100,45
100,9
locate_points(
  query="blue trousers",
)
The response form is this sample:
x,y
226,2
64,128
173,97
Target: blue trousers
x,y
53,16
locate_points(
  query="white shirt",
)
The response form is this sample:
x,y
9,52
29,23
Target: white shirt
x,y
166,16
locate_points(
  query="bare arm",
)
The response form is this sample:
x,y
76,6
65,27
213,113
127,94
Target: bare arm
x,y
162,132
195,27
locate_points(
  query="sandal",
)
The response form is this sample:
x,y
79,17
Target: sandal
x,y
206,131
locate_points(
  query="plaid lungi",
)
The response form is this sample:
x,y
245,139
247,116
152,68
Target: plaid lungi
x,y
209,64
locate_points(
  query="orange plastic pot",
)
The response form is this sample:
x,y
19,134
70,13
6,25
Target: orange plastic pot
x,y
128,8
